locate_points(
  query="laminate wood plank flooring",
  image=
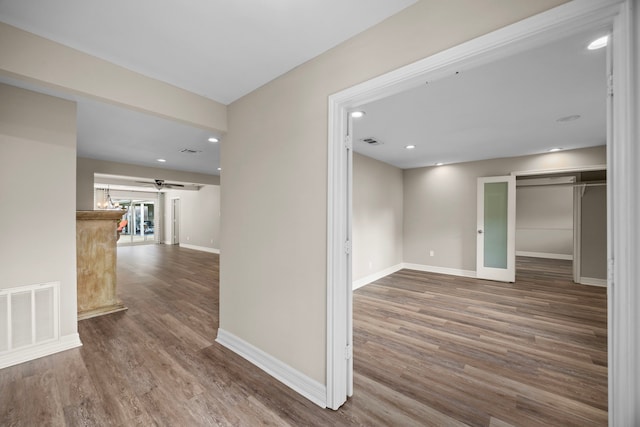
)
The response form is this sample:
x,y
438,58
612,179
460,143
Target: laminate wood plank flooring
x,y
430,350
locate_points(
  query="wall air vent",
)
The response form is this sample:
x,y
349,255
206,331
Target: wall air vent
x,y
190,151
371,141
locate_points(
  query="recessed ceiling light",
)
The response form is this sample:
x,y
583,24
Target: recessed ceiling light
x,y
357,114
568,118
553,150
161,160
213,139
439,164
219,169
598,43
410,147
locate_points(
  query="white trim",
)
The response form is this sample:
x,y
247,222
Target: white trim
x,y
547,27
623,212
299,382
537,30
577,233
32,352
560,170
547,255
440,270
376,276
172,219
338,263
199,248
590,281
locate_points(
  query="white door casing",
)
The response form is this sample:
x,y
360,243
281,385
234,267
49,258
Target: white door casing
x,y
175,221
623,187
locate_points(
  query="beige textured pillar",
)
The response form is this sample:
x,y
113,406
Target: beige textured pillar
x,y
96,236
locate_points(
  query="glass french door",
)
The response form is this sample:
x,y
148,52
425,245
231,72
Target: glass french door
x,y
495,250
140,222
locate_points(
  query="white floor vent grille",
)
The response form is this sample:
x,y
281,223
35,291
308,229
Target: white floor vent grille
x,y
28,316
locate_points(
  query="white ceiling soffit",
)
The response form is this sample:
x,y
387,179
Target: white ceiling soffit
x,y
506,108
112,133
116,134
219,49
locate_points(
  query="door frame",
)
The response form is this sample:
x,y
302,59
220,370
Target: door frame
x,y
175,239
623,202
577,207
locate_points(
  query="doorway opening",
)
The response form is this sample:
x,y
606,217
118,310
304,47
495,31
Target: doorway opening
x,y
547,27
175,221
562,215
140,220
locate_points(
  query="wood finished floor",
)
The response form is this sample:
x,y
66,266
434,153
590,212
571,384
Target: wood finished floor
x,y
429,349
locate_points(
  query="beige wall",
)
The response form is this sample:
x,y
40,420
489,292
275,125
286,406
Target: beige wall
x,y
440,203
35,59
37,195
274,192
377,216
199,216
593,241
86,168
544,220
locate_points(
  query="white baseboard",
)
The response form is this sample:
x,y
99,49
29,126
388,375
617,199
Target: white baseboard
x,y
441,270
200,248
299,382
593,282
26,354
375,276
545,255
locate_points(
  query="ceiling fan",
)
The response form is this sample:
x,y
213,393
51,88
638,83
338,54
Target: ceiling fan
x,y
161,184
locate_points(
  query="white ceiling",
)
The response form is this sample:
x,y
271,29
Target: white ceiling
x,y
503,109
116,134
225,49
109,132
220,49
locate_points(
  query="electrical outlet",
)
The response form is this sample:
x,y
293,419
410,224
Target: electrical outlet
x,y
370,264
188,238
432,252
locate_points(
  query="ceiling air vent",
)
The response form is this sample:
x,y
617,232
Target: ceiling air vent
x,y
189,151
371,141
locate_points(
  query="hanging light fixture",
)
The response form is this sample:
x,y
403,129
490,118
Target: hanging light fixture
x,y
107,203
